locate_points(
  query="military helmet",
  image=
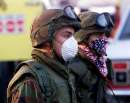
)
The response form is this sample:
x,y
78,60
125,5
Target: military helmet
x,y
92,22
44,26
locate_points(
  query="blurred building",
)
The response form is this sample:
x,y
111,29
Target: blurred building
x,y
15,23
125,6
55,4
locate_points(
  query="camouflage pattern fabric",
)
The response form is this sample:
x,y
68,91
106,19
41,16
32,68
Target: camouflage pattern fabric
x,y
26,91
26,87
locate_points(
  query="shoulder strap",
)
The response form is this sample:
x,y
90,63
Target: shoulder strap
x,y
110,69
46,83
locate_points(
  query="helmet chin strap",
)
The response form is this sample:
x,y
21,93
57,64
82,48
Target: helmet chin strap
x,y
55,55
51,36
51,31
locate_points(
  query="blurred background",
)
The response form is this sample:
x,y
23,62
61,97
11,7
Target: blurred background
x,y
16,17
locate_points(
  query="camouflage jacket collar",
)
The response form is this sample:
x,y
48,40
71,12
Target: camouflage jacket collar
x,y
52,63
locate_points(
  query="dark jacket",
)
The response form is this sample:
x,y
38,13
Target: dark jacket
x,y
90,84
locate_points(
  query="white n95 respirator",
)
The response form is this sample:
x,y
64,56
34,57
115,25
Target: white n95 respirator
x,y
69,49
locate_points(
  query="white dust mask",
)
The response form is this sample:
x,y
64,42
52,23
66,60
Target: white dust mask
x,y
69,49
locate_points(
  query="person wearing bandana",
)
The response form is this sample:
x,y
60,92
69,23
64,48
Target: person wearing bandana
x,y
94,69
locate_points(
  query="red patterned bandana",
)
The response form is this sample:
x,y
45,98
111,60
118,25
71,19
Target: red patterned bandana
x,y
99,45
100,62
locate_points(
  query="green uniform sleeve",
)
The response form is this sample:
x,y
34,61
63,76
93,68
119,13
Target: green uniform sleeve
x,y
27,91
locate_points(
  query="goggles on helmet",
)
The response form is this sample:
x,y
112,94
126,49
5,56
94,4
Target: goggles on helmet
x,y
70,13
104,20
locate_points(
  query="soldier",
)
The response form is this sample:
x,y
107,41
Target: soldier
x,y
92,68
46,78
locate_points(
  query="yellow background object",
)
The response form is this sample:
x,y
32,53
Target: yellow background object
x,y
17,46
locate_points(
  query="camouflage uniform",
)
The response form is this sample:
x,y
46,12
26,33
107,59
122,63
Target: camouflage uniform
x,y
90,84
27,91
44,79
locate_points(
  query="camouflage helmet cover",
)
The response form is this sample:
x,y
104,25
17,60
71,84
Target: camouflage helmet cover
x,y
88,26
41,29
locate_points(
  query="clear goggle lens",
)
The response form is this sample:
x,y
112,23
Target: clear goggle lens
x,y
104,20
69,12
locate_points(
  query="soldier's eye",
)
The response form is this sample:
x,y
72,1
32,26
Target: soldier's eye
x,y
68,34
